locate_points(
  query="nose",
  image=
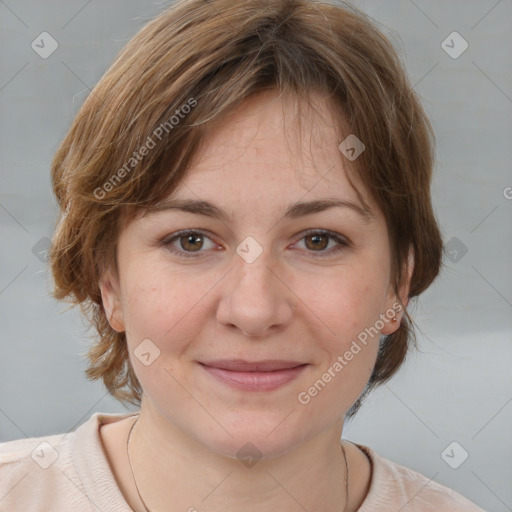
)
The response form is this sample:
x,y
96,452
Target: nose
x,y
255,297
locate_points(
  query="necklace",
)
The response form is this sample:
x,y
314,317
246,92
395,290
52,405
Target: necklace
x,y
146,508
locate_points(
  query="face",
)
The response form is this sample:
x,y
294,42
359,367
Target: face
x,y
255,284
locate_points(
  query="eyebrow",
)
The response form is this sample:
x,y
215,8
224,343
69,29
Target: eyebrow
x,y
294,211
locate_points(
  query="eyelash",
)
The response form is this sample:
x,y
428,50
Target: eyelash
x,y
343,243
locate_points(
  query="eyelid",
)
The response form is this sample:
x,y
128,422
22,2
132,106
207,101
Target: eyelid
x,y
169,239
342,241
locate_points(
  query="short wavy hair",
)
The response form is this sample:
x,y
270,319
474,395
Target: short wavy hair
x,y
211,55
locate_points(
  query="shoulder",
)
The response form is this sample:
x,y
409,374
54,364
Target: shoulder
x,y
59,472
397,487
30,466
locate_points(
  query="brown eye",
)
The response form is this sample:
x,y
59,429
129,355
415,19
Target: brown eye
x,y
188,243
318,242
191,242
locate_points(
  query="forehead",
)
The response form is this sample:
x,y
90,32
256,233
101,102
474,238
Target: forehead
x,y
264,149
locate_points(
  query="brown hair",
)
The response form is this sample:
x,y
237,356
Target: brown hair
x,y
124,153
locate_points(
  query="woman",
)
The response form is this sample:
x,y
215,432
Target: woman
x,y
245,214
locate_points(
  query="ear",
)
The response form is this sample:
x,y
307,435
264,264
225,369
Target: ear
x,y
110,295
393,302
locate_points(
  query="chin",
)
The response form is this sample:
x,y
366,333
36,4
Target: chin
x,y
251,448
252,437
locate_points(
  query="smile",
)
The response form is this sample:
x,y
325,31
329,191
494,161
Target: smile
x,y
255,380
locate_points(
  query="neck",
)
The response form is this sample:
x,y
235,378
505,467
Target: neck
x,y
172,468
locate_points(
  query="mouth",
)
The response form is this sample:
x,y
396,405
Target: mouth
x,y
254,375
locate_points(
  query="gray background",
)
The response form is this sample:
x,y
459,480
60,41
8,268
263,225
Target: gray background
x,y
457,387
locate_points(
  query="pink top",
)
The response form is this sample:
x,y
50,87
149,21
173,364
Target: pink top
x,y
70,472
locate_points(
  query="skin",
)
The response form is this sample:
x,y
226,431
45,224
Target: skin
x,y
287,304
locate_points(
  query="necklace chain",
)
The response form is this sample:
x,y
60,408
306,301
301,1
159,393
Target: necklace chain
x,y
147,510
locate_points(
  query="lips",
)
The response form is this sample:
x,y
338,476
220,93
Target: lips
x,y
260,376
239,365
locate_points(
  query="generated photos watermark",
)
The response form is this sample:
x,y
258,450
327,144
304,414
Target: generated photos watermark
x,y
142,151
304,397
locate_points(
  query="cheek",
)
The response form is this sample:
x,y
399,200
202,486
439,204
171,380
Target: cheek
x,y
163,304
346,300
161,320
155,312
345,307
143,300
346,350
